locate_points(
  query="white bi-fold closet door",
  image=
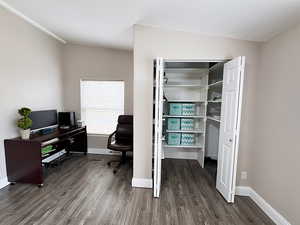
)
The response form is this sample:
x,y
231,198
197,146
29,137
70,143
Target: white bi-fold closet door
x,y
233,78
229,126
158,153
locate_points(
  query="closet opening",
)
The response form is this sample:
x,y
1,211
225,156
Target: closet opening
x,y
192,120
213,117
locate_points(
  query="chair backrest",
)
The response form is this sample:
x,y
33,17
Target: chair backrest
x,y
124,132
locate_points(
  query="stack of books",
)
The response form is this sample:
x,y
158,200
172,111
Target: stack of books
x,y
46,150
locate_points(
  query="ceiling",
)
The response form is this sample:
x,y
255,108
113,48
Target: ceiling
x,y
110,23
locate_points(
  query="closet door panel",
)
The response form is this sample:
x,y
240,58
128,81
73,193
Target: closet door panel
x,y
229,127
158,125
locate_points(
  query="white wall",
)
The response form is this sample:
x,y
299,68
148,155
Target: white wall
x,y
95,63
212,134
275,159
30,74
152,42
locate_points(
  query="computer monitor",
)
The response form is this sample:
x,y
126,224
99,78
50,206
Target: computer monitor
x,y
43,119
66,119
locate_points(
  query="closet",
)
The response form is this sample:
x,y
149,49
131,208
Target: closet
x,y
213,116
196,108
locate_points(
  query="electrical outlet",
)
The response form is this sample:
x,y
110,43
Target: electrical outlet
x,y
244,175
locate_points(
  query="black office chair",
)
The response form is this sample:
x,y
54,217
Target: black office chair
x,y
122,139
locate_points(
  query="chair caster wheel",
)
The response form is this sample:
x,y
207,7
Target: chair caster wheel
x,y
12,183
40,185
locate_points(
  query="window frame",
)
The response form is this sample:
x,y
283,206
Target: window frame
x,y
81,100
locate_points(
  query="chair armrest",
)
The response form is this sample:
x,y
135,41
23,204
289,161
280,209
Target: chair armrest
x,y
111,138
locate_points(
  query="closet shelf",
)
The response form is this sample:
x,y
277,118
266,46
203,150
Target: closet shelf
x,y
169,116
218,83
183,146
186,131
183,101
183,86
192,101
191,85
215,101
214,119
186,70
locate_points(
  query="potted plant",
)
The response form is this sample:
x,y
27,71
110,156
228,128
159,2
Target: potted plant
x,y
24,123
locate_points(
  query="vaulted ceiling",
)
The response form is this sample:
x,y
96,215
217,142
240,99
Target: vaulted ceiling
x,y
110,23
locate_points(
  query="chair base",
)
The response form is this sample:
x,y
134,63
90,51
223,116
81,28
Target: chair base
x,y
120,162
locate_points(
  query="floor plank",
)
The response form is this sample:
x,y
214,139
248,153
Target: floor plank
x,y
84,191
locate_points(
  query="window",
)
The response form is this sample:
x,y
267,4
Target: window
x,y
101,104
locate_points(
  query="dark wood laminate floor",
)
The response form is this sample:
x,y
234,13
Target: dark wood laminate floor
x,y
85,191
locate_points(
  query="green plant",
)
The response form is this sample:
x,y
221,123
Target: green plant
x,y
24,111
25,122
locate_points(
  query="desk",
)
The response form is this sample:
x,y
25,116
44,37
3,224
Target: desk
x,y
24,157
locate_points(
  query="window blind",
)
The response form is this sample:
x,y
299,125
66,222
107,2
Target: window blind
x,y
101,104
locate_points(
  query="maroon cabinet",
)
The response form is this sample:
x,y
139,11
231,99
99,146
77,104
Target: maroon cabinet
x,y
24,157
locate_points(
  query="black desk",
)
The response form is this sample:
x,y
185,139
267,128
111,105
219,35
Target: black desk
x,y
24,157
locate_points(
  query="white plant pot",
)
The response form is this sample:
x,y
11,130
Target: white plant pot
x,y
25,134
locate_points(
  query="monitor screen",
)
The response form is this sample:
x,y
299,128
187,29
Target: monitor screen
x,y
66,119
45,118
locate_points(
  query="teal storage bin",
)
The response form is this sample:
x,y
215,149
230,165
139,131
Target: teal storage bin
x,y
187,139
174,138
188,109
187,124
173,124
175,109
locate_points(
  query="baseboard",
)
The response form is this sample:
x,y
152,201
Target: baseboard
x,y
265,206
102,151
180,155
105,151
3,182
142,183
243,191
